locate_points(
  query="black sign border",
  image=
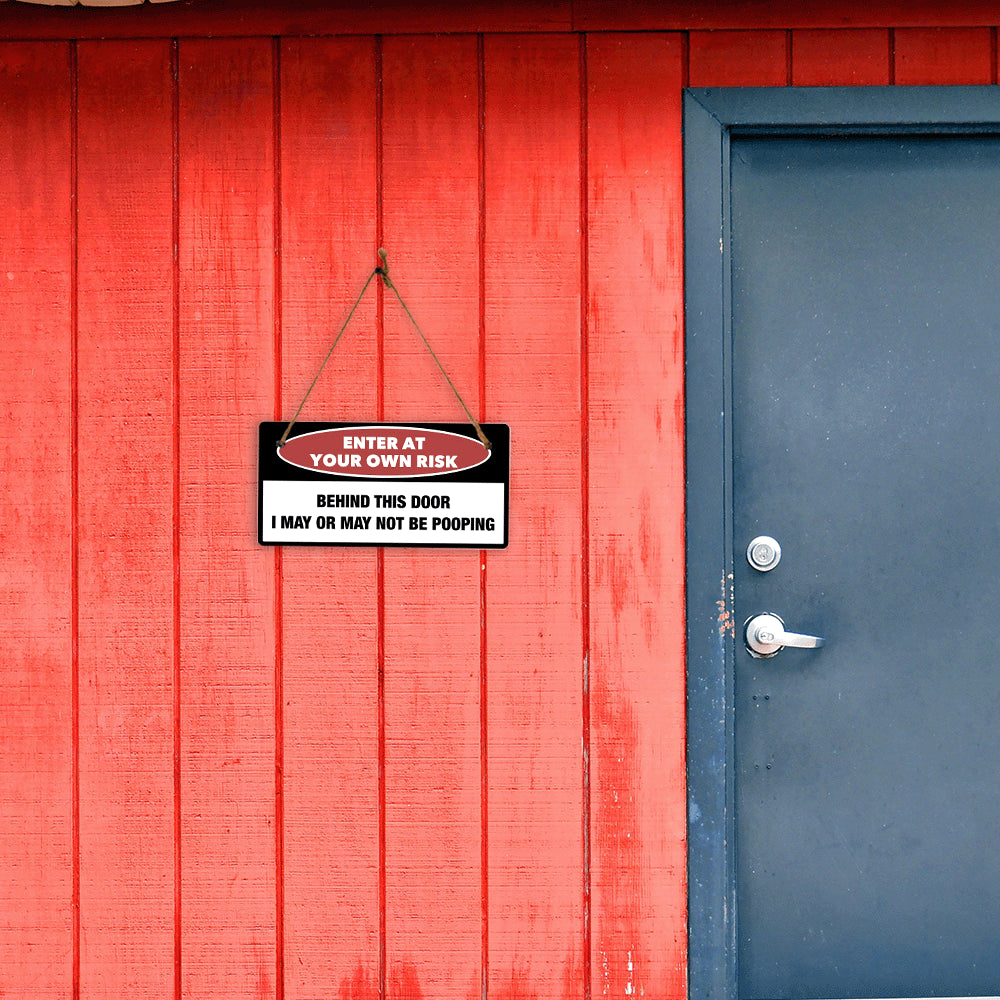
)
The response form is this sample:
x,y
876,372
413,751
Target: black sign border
x,y
496,469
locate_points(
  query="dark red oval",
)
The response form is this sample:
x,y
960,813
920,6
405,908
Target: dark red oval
x,y
381,452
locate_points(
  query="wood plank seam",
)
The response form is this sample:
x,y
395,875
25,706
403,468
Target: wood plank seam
x,y
279,698
74,152
585,582
484,769
175,226
380,557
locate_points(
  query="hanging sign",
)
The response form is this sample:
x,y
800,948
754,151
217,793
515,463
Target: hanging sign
x,y
384,484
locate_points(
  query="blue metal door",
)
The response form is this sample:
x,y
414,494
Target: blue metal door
x,y
862,399
866,394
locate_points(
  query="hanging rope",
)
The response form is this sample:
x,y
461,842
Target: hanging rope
x,y
383,272
312,385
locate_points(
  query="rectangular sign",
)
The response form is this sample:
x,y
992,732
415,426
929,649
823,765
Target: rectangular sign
x,y
383,484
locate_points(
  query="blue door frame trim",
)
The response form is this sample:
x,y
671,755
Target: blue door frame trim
x,y
711,118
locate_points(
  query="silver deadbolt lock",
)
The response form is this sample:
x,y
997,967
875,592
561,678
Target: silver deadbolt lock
x,y
765,635
764,553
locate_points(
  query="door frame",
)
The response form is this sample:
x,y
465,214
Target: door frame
x,y
712,117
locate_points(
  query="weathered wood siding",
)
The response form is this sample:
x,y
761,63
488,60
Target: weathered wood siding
x,y
230,771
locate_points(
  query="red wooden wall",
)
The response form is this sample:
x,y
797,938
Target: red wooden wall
x,y
229,771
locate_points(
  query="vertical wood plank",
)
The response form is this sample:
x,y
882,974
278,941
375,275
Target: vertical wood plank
x,y
36,640
536,669
840,58
738,58
432,597
126,477
329,595
943,56
636,494
227,580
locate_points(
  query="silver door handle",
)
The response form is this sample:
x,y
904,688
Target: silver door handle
x,y
765,635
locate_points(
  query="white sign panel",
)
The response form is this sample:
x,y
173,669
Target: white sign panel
x,y
384,484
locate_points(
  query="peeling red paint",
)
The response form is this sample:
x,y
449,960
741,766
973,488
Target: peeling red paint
x,y
360,985
516,987
618,951
727,625
403,983
725,619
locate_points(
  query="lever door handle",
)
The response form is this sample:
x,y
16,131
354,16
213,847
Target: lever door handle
x,y
765,635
